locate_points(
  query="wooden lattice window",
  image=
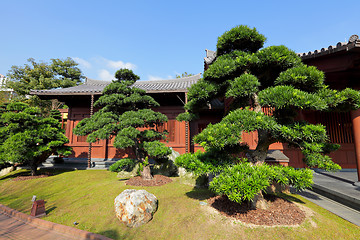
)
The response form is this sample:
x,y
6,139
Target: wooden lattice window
x,y
338,126
268,111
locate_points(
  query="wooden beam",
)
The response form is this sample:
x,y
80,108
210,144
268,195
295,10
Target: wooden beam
x,y
91,113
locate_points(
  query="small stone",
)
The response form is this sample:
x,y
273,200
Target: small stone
x,y
203,203
135,207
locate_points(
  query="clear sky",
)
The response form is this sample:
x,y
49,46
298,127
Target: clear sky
x,y
159,39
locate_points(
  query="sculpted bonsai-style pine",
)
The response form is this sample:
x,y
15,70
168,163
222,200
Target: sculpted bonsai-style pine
x,y
26,137
126,115
253,77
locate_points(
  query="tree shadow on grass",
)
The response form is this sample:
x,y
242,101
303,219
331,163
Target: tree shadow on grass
x,y
123,179
200,193
111,234
290,198
27,172
50,210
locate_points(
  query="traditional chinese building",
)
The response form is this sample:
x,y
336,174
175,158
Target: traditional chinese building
x,y
170,94
341,64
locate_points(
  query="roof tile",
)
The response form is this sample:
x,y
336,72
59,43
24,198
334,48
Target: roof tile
x,y
96,87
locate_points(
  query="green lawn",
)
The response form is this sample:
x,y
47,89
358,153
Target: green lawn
x,y
88,198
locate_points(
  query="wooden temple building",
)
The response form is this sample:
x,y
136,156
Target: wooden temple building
x,y
340,63
170,94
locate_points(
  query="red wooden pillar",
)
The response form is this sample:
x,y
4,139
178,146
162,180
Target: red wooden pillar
x,y
187,131
355,118
91,113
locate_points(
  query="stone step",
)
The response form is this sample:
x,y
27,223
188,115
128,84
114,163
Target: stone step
x,y
78,163
337,189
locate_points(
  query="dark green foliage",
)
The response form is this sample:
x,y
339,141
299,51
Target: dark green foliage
x,y
250,120
156,149
243,86
240,38
227,133
56,114
187,117
272,61
290,97
28,138
202,91
274,77
242,182
345,100
126,75
124,164
210,162
305,78
119,97
126,115
38,76
254,78
313,142
315,159
229,66
219,136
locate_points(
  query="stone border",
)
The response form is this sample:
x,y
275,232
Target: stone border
x,y
66,230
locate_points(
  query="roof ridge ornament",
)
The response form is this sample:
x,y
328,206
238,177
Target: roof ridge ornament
x,y
353,38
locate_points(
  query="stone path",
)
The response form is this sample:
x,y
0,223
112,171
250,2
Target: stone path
x,y
337,193
20,226
11,228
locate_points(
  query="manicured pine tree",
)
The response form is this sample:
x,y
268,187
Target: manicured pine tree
x,y
28,138
253,77
125,113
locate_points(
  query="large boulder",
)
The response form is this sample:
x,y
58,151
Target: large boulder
x,y
135,207
129,174
6,171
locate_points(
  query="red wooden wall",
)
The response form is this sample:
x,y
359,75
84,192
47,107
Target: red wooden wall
x,y
104,149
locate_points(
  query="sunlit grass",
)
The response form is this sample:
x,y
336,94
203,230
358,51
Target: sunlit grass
x,y
87,197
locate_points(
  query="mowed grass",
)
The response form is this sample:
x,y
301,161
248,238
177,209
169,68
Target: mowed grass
x,y
87,197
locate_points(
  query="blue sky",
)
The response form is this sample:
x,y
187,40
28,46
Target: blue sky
x,y
159,39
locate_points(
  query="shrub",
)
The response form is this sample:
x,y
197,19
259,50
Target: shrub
x,y
125,164
204,162
242,182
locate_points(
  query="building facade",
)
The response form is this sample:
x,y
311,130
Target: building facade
x,y
340,63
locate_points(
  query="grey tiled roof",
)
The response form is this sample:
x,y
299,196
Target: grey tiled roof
x,y
353,43
96,87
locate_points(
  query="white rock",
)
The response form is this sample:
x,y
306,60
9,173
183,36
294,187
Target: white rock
x,y
5,171
135,207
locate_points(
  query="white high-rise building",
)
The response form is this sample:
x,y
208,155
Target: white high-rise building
x,y
3,87
2,81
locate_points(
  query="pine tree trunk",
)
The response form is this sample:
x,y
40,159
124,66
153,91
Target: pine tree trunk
x,y
259,202
33,168
146,173
258,156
